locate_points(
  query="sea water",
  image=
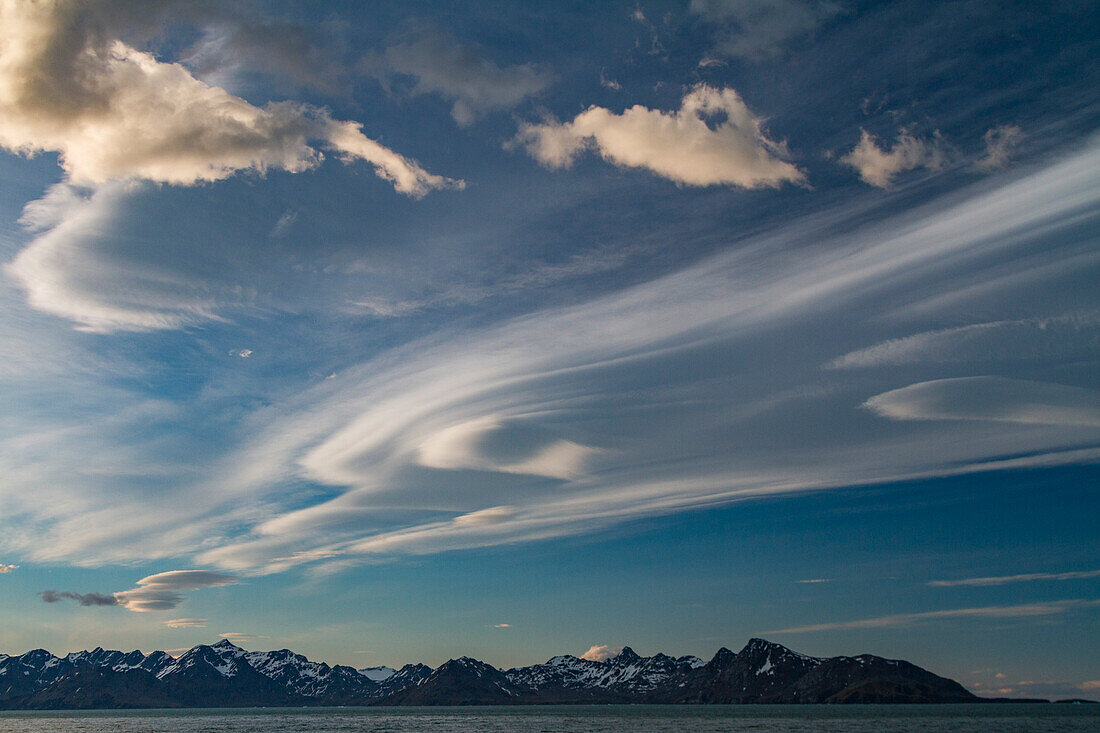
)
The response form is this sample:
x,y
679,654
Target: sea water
x,y
984,718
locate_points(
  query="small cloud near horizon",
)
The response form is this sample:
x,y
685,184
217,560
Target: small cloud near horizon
x,y
502,626
239,636
1026,610
7,568
186,623
600,652
84,599
1021,578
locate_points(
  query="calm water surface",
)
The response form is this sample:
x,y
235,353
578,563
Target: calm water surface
x,y
580,719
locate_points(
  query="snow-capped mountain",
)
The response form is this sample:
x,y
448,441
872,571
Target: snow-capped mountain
x,y
225,675
377,674
626,674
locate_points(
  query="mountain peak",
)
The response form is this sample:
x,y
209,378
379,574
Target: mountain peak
x,y
757,645
224,644
723,654
626,655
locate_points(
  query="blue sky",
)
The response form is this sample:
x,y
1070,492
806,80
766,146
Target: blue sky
x,y
399,332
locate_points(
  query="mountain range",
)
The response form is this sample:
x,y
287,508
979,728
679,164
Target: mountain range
x,y
225,675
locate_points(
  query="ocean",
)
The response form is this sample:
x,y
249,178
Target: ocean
x,y
991,718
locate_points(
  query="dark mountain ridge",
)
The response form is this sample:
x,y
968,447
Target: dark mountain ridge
x,y
224,675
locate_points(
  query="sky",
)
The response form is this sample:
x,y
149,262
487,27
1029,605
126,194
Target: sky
x,y
393,332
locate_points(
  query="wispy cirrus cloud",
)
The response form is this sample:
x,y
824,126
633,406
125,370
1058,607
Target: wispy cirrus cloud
x,y
1021,578
441,65
1026,610
1068,336
756,29
505,375
593,374
990,398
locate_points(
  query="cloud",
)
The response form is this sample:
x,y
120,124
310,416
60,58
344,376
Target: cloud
x,y
186,623
7,568
1090,685
332,472
1028,610
84,599
618,374
1000,142
810,581
161,592
114,112
713,139
755,29
443,66
990,398
1022,578
284,223
492,515
600,653
238,636
878,166
1069,337
491,445
502,626
66,273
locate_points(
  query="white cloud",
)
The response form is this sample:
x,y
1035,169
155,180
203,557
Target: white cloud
x,y
679,145
1000,142
600,373
1031,339
878,166
161,592
4,569
65,273
239,636
492,515
502,626
443,66
559,369
186,623
113,112
600,653
1027,610
990,398
284,223
813,581
487,444
754,29
1021,578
